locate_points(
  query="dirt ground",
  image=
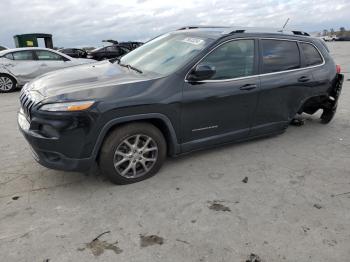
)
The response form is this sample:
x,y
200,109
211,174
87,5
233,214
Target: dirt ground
x,y
285,198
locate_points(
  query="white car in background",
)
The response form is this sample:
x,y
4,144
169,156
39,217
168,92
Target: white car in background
x,y
20,65
329,38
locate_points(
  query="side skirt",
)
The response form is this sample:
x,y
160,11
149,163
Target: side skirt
x,y
234,141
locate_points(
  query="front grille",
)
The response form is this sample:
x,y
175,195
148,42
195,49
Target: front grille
x,y
27,103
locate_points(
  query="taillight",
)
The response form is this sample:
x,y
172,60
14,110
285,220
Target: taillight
x,y
338,68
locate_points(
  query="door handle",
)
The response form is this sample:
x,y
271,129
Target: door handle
x,y
303,79
8,65
248,87
43,64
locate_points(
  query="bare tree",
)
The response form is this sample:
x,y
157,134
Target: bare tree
x,y
342,31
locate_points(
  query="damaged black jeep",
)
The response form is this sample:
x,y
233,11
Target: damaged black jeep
x,y
190,89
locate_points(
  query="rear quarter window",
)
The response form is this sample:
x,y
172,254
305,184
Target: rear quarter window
x,y
279,55
311,54
9,56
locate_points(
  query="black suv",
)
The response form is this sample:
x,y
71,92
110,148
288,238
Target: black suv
x,y
186,90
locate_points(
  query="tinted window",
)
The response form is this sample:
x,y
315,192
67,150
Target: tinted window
x,y
280,55
23,55
47,55
312,56
231,60
111,48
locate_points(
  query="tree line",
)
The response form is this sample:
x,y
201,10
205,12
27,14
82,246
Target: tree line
x,y
342,32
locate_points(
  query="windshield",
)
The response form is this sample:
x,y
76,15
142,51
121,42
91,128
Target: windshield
x,y
165,54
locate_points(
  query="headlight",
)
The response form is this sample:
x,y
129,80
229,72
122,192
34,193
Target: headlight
x,y
71,106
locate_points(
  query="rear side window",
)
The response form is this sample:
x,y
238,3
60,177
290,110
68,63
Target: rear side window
x,y
232,59
279,55
23,55
312,56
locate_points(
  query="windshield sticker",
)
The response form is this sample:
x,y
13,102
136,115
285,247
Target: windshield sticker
x,y
193,41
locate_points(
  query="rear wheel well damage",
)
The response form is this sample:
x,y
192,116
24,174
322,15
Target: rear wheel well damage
x,y
311,105
327,101
158,123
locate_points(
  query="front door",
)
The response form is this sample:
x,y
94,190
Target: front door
x,y
50,61
220,109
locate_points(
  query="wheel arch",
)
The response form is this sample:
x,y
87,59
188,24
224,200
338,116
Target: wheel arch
x,y
158,120
312,104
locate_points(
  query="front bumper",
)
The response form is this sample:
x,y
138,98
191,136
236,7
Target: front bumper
x,y
45,149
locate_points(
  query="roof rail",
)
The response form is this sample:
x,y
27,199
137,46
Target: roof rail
x,y
236,30
199,27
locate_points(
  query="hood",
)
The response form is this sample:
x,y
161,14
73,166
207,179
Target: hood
x,y
85,78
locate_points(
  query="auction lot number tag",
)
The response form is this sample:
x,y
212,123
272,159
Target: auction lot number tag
x,y
193,41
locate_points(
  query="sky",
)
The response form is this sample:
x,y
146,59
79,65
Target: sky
x,y
78,23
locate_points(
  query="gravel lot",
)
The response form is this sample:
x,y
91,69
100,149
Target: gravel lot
x,y
294,206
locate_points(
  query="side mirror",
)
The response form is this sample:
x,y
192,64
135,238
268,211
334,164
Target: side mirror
x,y
202,72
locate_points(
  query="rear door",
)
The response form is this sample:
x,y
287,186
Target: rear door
x,y
315,63
285,84
219,109
23,65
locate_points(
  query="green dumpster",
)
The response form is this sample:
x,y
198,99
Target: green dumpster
x,y
31,40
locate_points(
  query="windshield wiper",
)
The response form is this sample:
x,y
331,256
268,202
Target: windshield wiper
x,y
130,67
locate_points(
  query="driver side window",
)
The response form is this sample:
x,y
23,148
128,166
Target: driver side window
x,y
48,56
232,59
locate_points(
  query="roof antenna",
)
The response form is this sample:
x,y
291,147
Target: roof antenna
x,y
285,24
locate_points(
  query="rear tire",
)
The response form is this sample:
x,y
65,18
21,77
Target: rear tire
x,y
7,83
132,153
328,115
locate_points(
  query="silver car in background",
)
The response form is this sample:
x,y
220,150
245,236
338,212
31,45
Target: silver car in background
x,y
20,65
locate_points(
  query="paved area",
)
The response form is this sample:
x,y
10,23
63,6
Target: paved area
x,y
294,206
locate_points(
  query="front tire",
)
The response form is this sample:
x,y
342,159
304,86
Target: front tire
x,y
7,83
132,153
